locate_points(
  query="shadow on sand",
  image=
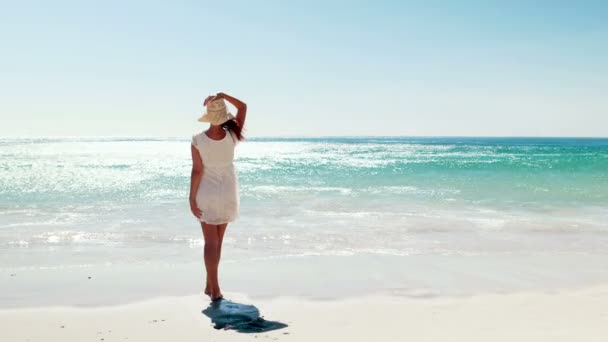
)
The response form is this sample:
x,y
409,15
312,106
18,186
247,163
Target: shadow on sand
x,y
243,318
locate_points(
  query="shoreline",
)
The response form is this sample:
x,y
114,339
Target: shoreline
x,y
573,315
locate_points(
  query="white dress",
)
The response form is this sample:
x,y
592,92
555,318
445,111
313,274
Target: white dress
x,y
218,192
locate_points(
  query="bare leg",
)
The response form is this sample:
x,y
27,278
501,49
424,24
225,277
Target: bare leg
x,y
221,229
207,283
211,258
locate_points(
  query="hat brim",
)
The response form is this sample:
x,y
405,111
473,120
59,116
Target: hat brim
x,y
205,118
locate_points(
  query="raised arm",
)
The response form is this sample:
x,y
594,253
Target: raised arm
x,y
241,107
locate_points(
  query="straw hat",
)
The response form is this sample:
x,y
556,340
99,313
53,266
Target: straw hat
x,y
216,113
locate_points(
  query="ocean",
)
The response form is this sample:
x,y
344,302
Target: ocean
x,y
401,214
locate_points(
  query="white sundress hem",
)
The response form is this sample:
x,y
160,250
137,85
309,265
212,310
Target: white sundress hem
x,y
216,222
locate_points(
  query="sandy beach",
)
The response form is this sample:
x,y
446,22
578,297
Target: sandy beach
x,y
574,315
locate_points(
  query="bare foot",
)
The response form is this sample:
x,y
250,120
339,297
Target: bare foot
x,y
216,296
207,291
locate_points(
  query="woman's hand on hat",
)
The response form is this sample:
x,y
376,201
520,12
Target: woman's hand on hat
x,y
214,97
208,99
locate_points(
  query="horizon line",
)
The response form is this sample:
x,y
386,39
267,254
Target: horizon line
x,y
303,136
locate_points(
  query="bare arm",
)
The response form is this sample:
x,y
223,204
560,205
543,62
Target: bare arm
x,y
241,107
195,180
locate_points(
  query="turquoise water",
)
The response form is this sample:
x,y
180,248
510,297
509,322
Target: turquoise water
x,y
496,171
88,188
80,203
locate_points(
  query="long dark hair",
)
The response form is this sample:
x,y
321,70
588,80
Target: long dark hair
x,y
233,127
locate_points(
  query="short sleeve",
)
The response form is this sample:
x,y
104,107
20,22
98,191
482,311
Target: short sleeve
x,y
195,141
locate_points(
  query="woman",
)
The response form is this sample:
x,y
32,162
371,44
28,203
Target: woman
x,y
214,194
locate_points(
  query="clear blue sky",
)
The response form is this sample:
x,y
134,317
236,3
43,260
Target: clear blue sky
x,y
306,68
